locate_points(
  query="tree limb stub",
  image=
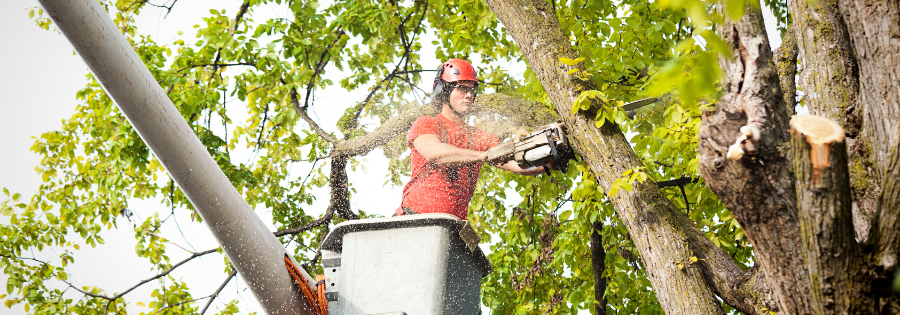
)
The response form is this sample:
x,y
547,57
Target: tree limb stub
x,y
824,208
820,133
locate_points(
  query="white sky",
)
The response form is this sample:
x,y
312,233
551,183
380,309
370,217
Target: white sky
x,y
39,80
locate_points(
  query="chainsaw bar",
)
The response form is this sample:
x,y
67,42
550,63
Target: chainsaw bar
x,y
639,103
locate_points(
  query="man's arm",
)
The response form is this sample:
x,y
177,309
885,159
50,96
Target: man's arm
x,y
438,153
512,166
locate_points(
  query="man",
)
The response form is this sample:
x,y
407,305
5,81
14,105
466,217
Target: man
x,y
447,154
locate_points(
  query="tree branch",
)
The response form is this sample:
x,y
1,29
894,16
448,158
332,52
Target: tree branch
x,y
497,113
886,228
213,296
662,234
179,303
320,66
164,273
324,219
677,182
312,124
758,188
786,64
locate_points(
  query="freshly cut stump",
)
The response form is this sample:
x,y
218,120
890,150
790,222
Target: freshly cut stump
x,y
822,181
819,133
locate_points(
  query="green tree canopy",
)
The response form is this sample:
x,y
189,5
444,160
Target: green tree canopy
x,y
558,244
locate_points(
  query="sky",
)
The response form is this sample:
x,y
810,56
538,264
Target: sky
x,y
40,78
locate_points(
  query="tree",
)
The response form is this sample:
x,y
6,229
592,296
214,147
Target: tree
x,y
613,235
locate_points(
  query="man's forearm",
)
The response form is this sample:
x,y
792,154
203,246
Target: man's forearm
x,y
438,153
512,166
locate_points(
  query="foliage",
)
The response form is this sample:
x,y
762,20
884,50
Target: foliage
x,y
272,68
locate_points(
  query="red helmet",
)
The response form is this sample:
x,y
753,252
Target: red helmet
x,y
457,70
451,71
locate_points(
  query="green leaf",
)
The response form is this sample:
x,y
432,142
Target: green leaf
x,y
568,61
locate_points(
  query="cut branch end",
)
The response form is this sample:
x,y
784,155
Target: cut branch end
x,y
819,132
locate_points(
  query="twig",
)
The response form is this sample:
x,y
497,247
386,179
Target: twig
x,y
213,296
170,242
217,65
88,293
180,303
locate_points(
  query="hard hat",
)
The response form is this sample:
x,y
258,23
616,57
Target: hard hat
x,y
456,70
449,72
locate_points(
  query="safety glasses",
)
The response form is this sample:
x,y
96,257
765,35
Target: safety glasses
x,y
466,89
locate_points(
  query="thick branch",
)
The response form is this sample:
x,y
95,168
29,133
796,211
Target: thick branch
x,y
886,228
758,186
662,233
302,113
495,113
831,82
823,205
340,188
786,61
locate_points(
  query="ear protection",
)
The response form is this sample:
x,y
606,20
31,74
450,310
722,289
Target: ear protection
x,y
438,84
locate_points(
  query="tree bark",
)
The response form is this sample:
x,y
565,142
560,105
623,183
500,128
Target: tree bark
x,y
831,81
874,26
664,236
824,207
598,262
758,188
886,229
786,61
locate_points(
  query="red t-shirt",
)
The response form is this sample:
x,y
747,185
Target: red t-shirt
x,y
431,188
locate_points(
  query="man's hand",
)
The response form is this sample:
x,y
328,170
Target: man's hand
x,y
513,166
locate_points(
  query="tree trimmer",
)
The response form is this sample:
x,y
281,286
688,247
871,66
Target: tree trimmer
x,y
549,144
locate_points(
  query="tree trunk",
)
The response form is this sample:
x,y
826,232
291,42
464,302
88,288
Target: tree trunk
x,y
758,188
830,79
598,262
874,28
664,236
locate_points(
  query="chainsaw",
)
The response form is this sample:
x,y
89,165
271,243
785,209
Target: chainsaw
x,y
549,143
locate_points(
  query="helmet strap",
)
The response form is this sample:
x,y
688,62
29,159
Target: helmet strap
x,y
458,114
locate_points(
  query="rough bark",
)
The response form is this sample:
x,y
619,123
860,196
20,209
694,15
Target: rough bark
x,y
786,60
598,262
874,28
824,208
831,81
664,236
886,229
758,188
